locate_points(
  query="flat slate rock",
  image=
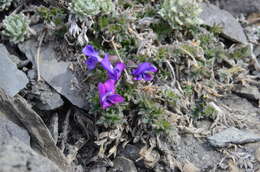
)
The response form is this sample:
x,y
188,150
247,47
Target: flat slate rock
x,y
212,15
43,97
12,80
249,92
238,7
123,164
41,139
234,136
9,130
15,156
55,73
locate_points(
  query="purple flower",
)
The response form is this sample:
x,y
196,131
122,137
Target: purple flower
x,y
144,71
113,72
93,55
107,96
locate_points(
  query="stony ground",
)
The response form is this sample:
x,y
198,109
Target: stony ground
x,y
47,124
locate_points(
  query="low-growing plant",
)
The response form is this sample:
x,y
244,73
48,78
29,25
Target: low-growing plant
x,y
51,15
16,27
149,112
181,13
203,110
152,114
87,8
5,4
111,117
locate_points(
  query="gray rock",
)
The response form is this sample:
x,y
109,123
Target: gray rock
x,y
41,139
249,92
16,156
124,164
56,73
196,152
98,169
14,59
9,130
31,74
130,151
44,97
212,15
257,154
12,80
232,135
257,49
237,7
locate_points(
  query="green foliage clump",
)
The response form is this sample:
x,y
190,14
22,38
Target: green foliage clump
x,y
4,4
111,117
203,110
179,13
152,114
211,46
16,27
106,6
51,15
240,52
169,96
85,8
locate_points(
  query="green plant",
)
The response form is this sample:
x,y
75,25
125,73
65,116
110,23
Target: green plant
x,y
111,117
203,110
106,6
54,15
240,52
152,114
169,96
85,8
16,27
179,13
5,4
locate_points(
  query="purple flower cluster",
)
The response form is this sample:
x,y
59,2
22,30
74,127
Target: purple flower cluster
x,y
107,90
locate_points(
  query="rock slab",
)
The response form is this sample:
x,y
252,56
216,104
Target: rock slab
x,y
257,154
55,73
44,97
212,15
232,135
41,139
9,130
124,164
12,80
16,156
238,7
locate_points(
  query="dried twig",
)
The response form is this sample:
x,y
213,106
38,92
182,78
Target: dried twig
x,y
172,70
74,149
37,58
114,45
53,127
64,134
188,53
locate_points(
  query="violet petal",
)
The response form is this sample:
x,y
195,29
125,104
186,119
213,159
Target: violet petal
x,y
91,62
106,64
105,104
138,77
115,98
147,77
142,71
117,71
146,66
105,88
91,52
